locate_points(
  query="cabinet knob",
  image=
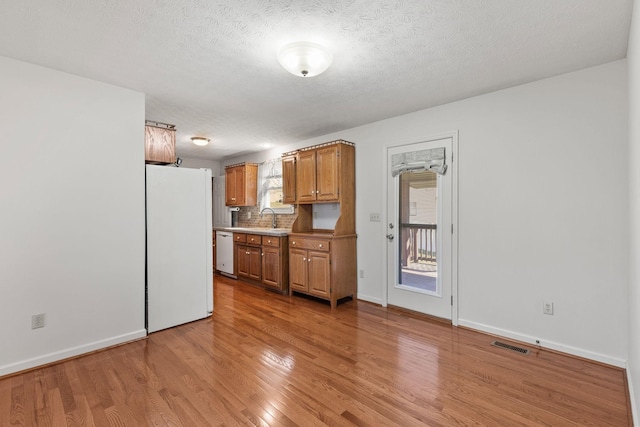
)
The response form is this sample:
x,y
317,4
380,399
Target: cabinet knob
x,y
304,259
293,243
320,245
309,260
268,241
262,253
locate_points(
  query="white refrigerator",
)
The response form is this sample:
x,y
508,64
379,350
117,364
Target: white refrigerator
x,y
179,246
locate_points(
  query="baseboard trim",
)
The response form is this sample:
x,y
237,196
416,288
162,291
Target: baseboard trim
x,y
562,348
370,299
632,398
57,356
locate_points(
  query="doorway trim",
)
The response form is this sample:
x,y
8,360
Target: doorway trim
x,y
454,170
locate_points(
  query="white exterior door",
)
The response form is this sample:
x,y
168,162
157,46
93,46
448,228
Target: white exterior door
x,y
420,212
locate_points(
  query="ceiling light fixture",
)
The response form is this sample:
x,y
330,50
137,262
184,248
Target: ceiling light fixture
x,y
200,140
304,59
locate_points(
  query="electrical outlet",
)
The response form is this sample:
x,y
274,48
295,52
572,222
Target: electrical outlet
x,y
362,274
374,217
249,215
547,308
37,321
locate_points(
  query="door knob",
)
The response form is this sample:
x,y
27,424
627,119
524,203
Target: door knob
x,y
390,237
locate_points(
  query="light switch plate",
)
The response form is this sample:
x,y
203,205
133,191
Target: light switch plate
x,y
374,217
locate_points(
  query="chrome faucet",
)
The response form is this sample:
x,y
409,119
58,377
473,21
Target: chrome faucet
x,y
273,223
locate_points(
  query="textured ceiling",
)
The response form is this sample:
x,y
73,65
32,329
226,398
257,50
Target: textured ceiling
x,y
210,67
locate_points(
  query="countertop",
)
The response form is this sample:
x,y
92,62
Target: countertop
x,y
265,231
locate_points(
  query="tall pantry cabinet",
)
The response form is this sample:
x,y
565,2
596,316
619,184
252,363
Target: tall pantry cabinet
x,y
322,262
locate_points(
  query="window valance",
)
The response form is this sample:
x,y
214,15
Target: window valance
x,y
432,160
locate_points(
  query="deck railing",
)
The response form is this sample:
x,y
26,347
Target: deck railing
x,y
418,243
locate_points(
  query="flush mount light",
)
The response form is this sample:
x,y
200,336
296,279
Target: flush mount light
x,y
199,140
304,59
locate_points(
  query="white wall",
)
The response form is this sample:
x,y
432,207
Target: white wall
x,y
193,163
633,58
72,220
554,212
542,207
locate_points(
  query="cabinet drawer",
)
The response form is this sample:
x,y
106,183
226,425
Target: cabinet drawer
x,y
254,239
315,244
271,241
240,237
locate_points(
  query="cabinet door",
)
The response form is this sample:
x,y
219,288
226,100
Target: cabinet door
x,y
319,278
271,267
298,269
242,260
159,145
230,186
255,263
240,184
327,173
289,179
306,176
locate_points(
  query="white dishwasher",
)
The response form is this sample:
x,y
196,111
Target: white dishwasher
x,y
224,253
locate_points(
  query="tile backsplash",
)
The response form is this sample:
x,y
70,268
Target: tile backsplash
x,y
282,220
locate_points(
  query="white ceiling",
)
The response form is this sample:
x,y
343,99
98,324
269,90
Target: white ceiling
x,y
210,67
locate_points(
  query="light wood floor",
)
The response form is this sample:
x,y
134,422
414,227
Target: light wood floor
x,y
266,359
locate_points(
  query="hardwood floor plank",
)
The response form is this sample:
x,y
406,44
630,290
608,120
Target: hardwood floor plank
x,y
85,413
56,413
269,359
64,389
18,403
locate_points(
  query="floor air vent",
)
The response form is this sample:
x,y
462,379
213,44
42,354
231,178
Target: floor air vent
x,y
510,347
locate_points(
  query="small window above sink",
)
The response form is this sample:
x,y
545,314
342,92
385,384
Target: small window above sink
x,y
270,187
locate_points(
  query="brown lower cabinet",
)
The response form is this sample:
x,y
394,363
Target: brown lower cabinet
x,y
323,266
271,272
309,272
249,262
262,259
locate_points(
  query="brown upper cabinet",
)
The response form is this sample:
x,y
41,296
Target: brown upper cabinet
x,y
321,174
159,144
316,173
241,184
289,179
